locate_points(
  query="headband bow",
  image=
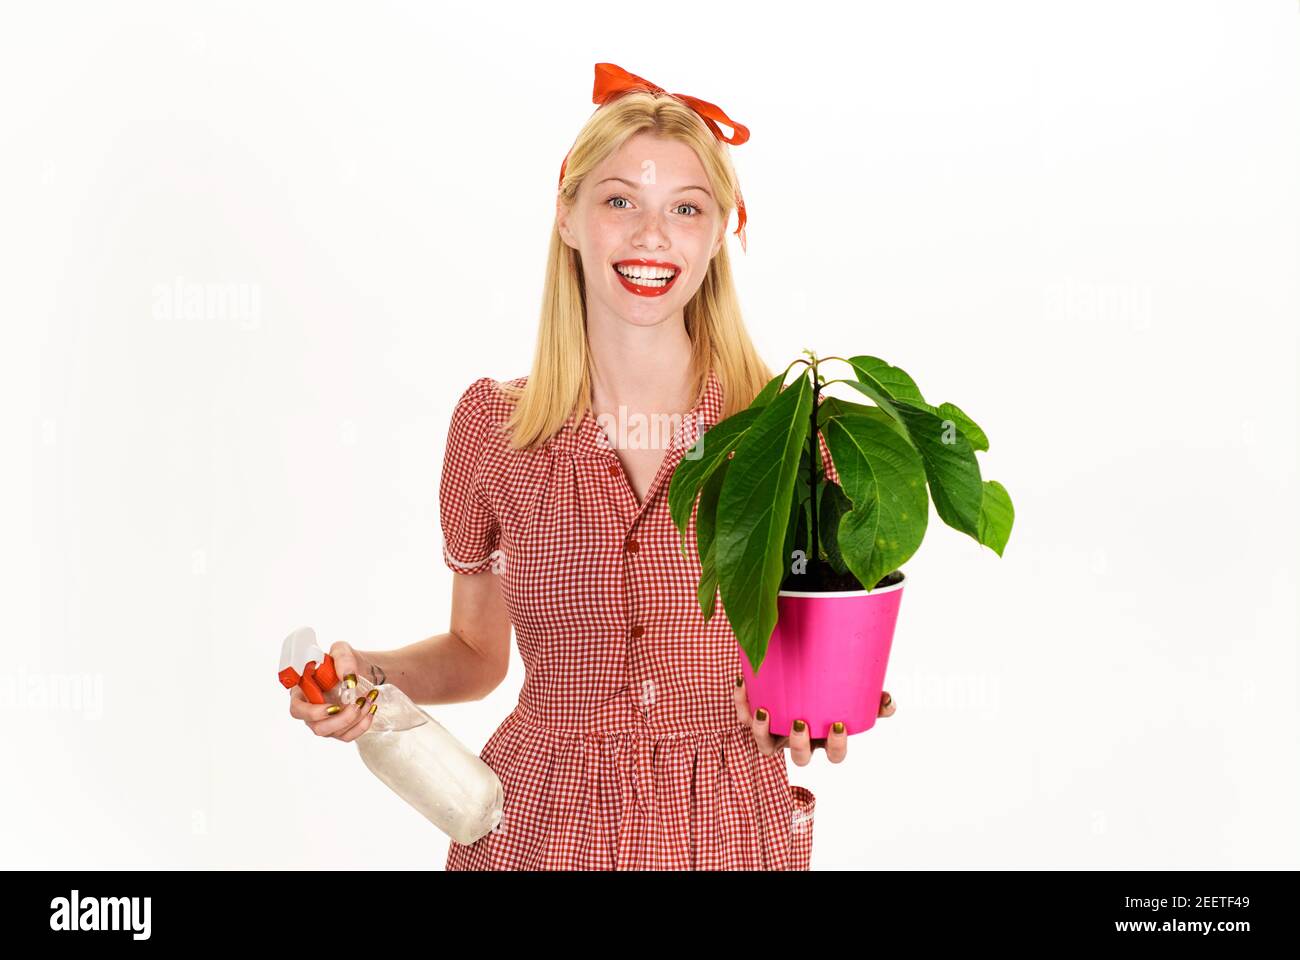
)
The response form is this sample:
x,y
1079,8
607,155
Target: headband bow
x,y
612,80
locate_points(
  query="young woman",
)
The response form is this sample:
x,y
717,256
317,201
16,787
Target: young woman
x,y
632,745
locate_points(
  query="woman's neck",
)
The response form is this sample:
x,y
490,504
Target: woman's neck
x,y
646,369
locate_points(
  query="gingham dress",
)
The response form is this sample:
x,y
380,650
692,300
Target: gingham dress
x,y
624,751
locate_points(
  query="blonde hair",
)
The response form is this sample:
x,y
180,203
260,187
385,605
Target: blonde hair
x,y
559,384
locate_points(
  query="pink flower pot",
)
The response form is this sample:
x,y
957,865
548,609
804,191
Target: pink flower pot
x,y
826,659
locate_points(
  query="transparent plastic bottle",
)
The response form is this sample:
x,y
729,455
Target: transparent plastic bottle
x,y
427,767
411,752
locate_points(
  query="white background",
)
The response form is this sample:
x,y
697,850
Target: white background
x,y
1077,221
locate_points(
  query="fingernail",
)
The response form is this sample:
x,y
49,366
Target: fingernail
x,y
350,679
373,695
361,701
374,707
799,726
740,679
760,714
838,726
887,700
334,709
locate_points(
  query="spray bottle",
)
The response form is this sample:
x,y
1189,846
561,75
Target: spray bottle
x,y
405,747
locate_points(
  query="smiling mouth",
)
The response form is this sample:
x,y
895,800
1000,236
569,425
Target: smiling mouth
x,y
646,281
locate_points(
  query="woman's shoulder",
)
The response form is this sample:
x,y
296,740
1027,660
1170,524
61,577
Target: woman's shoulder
x,y
491,396
484,406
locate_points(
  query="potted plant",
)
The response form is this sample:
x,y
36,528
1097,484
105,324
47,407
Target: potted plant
x,y
808,569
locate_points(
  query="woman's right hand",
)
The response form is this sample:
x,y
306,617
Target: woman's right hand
x,y
345,721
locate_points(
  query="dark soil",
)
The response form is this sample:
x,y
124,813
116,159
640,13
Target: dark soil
x,y
821,577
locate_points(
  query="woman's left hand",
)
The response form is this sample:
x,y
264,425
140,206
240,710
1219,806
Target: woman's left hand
x,y
801,746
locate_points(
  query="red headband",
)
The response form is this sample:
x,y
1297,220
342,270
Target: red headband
x,y
612,80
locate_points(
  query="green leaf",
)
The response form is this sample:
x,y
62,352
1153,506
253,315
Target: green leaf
x,y
795,528
689,475
996,516
706,594
950,466
950,411
949,459
791,534
900,386
883,477
835,408
801,488
772,388
894,380
796,536
832,505
753,514
705,527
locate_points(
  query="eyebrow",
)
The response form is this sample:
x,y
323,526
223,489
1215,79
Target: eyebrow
x,y
636,186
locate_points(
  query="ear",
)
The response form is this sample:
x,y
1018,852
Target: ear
x,y
562,221
721,239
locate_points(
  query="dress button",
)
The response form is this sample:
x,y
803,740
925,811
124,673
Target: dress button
x,y
613,469
638,630
633,546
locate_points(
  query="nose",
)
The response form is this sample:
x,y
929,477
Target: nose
x,y
650,233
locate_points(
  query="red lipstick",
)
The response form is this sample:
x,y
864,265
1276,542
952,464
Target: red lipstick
x,y
643,288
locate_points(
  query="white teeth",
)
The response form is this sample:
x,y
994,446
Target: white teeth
x,y
645,273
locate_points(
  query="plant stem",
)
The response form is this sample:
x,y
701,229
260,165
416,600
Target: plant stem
x,y
812,466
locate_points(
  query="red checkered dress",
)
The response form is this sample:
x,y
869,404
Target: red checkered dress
x,y
624,750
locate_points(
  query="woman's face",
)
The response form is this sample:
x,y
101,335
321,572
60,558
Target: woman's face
x,y
646,226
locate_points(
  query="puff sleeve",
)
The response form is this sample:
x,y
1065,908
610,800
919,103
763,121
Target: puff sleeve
x,y
470,531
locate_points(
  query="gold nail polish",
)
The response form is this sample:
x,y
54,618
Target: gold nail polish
x,y
888,700
760,714
351,680
838,726
373,708
361,702
334,709
373,695
740,679
799,726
